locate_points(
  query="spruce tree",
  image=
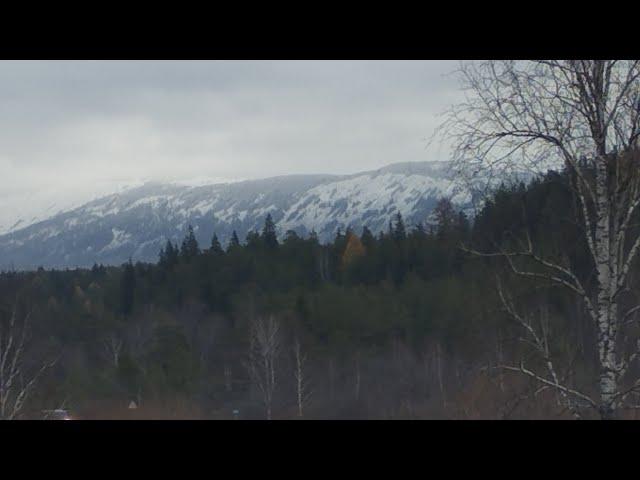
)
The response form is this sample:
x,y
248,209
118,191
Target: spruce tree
x,y
216,248
399,231
367,238
445,217
189,248
162,258
269,236
168,255
172,256
234,242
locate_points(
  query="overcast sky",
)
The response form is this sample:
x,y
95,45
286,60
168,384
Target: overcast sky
x,y
74,123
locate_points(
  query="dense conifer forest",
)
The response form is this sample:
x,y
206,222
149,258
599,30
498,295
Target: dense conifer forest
x,y
401,324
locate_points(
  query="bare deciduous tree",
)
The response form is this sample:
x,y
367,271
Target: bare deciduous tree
x,y
585,115
302,385
228,378
264,350
358,375
113,345
536,334
16,383
138,336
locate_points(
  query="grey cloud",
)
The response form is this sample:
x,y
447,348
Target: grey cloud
x,y
71,122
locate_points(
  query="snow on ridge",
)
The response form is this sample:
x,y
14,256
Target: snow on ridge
x,y
346,201
120,237
203,207
153,201
138,221
29,206
205,181
111,197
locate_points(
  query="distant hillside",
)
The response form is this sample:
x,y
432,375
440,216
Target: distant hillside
x,y
137,222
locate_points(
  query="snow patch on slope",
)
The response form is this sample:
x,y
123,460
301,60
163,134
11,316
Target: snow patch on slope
x,y
347,201
120,238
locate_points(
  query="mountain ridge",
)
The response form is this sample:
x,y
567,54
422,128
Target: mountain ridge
x,y
137,222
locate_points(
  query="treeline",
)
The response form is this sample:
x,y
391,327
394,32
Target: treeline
x,y
404,323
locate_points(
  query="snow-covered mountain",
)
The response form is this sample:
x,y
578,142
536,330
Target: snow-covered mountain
x,y
19,209
138,221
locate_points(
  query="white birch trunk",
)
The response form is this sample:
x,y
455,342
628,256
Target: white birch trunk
x,y
299,377
585,113
606,312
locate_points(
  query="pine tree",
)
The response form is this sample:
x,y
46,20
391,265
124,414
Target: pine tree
x,y
339,244
234,242
189,248
367,238
445,217
168,255
399,231
172,255
216,248
269,236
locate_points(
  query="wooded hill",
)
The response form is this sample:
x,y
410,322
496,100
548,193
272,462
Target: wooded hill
x,y
403,323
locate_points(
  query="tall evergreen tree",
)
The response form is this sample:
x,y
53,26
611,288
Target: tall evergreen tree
x,y
168,255
367,238
445,217
269,236
173,253
189,248
399,231
216,248
234,242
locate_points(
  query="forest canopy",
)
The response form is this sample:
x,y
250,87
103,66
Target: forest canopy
x,y
403,323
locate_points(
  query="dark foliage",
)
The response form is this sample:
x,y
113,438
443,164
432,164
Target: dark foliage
x,y
396,324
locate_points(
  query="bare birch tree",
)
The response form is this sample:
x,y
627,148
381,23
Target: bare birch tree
x,y
228,377
302,385
16,382
358,376
584,115
536,328
113,346
264,350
